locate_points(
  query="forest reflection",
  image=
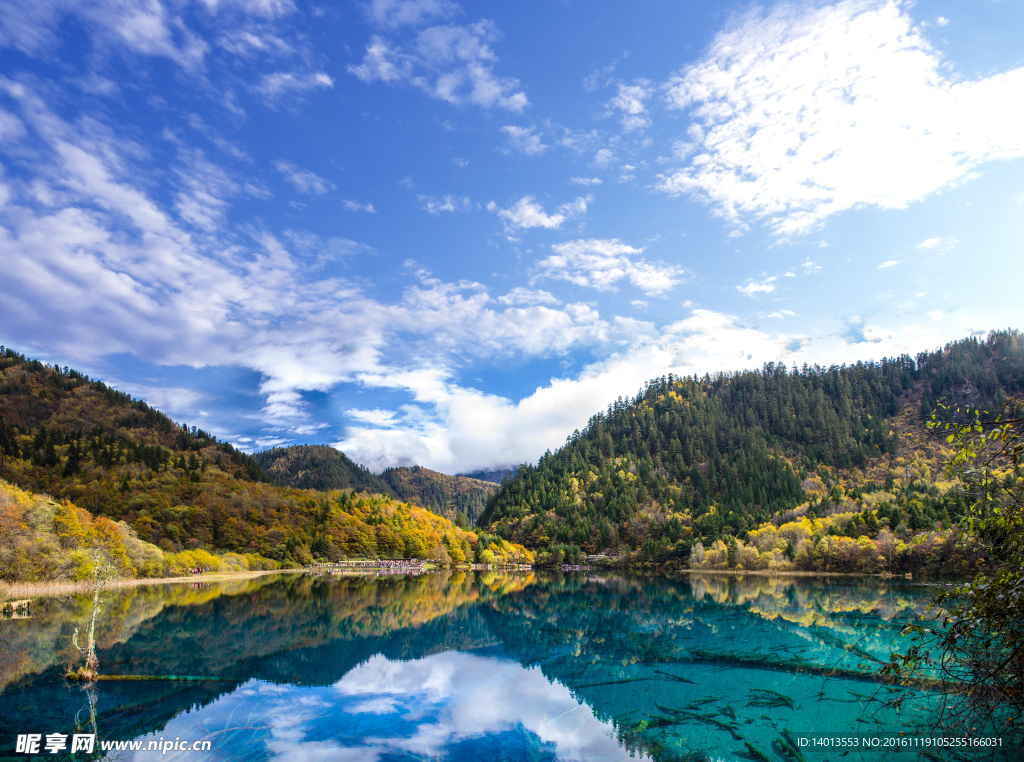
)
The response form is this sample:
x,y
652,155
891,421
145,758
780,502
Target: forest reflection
x,y
221,628
605,639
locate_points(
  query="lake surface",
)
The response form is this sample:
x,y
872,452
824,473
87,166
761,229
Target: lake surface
x,y
474,666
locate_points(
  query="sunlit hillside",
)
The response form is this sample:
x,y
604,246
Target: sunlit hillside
x,y
758,468
176,489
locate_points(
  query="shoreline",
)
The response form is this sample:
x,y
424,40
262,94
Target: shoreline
x,y
11,592
794,573
19,591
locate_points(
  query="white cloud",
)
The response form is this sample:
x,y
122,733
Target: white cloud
x,y
941,21
374,417
100,259
145,29
317,253
782,314
527,213
204,190
454,429
355,206
935,314
578,141
753,287
602,77
282,84
889,263
390,14
626,173
805,113
602,263
585,180
469,430
940,245
455,696
524,140
630,102
384,63
250,43
304,180
217,45
101,267
448,203
527,297
412,707
452,63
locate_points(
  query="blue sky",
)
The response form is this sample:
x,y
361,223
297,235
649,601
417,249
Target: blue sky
x,y
448,234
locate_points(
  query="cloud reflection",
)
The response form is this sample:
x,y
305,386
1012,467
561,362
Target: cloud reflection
x,y
457,696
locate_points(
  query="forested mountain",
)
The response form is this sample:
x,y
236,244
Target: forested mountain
x,y
815,467
321,467
57,426
318,467
450,496
703,459
102,455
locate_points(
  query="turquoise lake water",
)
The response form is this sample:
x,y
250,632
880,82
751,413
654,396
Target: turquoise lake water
x,y
477,666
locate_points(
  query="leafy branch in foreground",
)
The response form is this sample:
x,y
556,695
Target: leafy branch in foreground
x,y
976,645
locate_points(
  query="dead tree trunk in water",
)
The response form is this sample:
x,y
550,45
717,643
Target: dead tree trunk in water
x,y
103,573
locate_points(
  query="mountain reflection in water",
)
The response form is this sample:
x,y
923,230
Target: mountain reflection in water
x,y
471,666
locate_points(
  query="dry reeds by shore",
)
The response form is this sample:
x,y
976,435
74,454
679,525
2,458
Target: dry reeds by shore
x,y
40,589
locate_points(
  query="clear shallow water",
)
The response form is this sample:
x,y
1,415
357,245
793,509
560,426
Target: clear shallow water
x,y
473,667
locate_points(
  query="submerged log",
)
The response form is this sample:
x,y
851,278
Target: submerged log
x,y
753,661
707,719
829,639
769,698
756,753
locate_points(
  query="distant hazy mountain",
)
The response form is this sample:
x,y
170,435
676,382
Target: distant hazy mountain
x,y
494,475
445,495
321,467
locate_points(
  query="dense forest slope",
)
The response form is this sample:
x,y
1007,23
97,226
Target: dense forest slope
x,y
709,459
321,467
456,497
44,539
317,467
74,440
